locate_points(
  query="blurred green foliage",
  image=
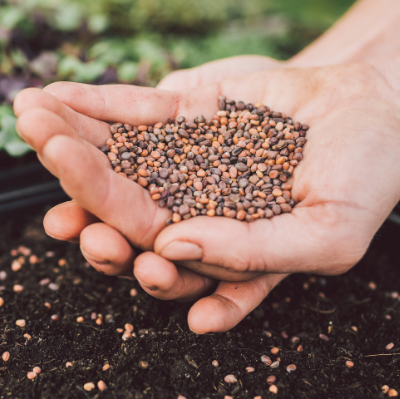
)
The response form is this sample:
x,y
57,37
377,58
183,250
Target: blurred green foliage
x,y
140,41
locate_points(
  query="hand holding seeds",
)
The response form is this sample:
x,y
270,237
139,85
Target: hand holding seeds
x,y
344,187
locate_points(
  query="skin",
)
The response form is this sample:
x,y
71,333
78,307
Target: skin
x,y
110,252
339,191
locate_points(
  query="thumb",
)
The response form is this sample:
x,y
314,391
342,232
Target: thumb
x,y
306,240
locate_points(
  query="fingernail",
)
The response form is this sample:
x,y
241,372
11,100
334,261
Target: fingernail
x,y
149,287
180,250
94,259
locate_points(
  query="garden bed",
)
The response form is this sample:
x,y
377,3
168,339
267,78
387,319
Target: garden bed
x,y
358,312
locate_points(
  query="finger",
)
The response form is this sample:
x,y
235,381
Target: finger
x,y
92,130
163,280
313,239
107,250
37,125
114,199
66,221
216,71
230,303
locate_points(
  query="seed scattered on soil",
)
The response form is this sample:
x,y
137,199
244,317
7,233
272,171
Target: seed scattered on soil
x,y
250,369
101,385
37,370
1,301
133,292
120,330
33,259
143,364
3,275
257,397
389,346
5,356
15,266
47,304
88,386
18,288
275,351
128,327
106,367
230,379
372,285
27,336
266,360
31,375
126,335
393,393
274,365
237,165
291,368
295,340
215,363
53,286
385,389
62,262
20,323
300,348
349,364
181,397
354,328
79,319
68,364
323,337
273,389
55,317
271,380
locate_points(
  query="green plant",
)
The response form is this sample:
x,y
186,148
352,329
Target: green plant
x,y
9,138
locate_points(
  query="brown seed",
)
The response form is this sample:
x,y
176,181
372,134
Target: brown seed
x,y
27,336
273,389
142,181
88,386
392,393
20,323
176,217
215,363
79,319
250,369
37,370
143,364
5,356
274,351
389,346
133,292
15,266
230,379
323,337
1,301
300,348
106,367
18,288
68,364
271,380
128,327
385,389
31,375
291,368
126,335
101,385
266,360
349,364
274,365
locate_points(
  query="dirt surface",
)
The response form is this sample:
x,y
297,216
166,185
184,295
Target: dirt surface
x,y
357,319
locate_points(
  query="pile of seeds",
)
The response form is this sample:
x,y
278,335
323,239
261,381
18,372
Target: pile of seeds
x,y
237,165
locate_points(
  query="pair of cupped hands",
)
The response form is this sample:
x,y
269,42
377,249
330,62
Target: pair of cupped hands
x,y
345,187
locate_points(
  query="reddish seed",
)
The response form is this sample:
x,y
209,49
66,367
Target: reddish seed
x,y
37,370
385,389
101,385
275,351
291,368
230,379
68,364
389,346
1,301
133,292
18,288
266,360
5,356
300,348
271,380
349,364
323,337
106,367
88,386
393,393
31,375
215,363
20,323
250,369
273,389
274,365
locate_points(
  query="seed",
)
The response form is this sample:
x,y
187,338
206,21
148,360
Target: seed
x,y
128,327
5,356
55,317
215,363
79,319
101,385
126,335
354,328
349,364
323,337
48,306
15,266
184,397
53,286
271,380
274,365
385,389
250,369
88,386
33,259
37,370
392,393
27,336
266,360
1,301
372,285
198,165
106,367
291,368
143,364
300,348
18,288
230,379
133,292
31,375
389,346
68,364
274,351
3,275
273,389
20,323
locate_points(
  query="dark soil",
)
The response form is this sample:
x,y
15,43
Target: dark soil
x,y
179,361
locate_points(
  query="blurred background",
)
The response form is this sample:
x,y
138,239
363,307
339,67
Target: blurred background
x,y
133,42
